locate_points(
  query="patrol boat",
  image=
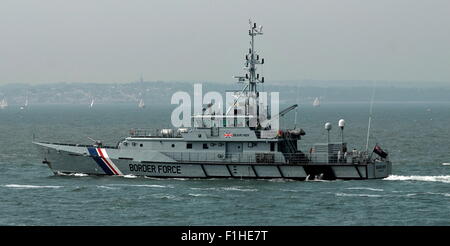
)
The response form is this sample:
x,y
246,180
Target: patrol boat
x,y
232,145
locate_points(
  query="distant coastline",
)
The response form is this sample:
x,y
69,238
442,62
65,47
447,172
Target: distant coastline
x,y
160,92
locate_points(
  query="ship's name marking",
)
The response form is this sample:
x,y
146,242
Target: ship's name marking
x,y
149,168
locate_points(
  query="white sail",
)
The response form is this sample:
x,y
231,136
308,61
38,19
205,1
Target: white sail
x,y
25,105
3,104
141,104
92,103
316,102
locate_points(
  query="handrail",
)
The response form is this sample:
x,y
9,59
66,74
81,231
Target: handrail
x,y
81,145
154,133
227,158
264,158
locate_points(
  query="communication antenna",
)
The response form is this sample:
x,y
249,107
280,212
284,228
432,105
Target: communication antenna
x,y
296,109
341,124
370,116
252,59
98,143
251,78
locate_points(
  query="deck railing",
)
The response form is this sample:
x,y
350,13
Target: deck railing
x,y
227,158
154,133
277,157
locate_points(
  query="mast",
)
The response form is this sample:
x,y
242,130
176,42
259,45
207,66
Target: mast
x,y
250,66
252,59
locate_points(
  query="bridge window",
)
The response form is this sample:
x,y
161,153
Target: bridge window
x,y
205,146
188,146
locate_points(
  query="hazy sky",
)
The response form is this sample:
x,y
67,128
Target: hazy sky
x,y
205,40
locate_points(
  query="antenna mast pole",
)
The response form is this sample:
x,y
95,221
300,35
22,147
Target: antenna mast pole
x,y
296,109
370,117
252,59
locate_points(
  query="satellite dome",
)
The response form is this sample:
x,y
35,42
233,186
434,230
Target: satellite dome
x,y
341,123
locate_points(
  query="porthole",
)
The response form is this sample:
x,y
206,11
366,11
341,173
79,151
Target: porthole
x,y
173,145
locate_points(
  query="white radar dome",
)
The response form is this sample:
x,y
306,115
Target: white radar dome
x,y
328,126
341,123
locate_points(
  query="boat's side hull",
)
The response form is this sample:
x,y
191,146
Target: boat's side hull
x,y
100,161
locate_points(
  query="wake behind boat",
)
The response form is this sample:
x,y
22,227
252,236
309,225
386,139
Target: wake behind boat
x,y
231,145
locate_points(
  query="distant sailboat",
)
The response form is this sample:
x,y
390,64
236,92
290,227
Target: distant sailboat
x,y
316,102
25,105
92,103
3,104
141,103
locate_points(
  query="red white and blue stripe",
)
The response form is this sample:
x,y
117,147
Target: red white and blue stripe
x,y
102,159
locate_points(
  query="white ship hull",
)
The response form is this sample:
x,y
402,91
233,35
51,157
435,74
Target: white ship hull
x,y
65,159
